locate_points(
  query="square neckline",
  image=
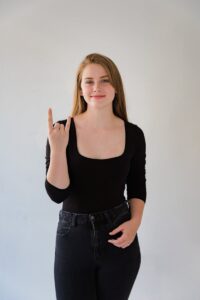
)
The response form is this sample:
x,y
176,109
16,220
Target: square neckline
x,y
100,159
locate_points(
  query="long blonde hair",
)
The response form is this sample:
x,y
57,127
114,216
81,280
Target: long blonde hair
x,y
119,103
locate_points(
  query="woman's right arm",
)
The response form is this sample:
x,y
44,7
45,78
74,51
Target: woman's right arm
x,y
57,181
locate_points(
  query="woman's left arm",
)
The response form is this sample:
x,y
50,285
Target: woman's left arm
x,y
136,181
136,194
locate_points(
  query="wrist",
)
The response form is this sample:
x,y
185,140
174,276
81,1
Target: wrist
x,y
136,221
57,153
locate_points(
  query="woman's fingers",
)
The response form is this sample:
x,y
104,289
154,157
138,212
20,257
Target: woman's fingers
x,y
50,119
57,125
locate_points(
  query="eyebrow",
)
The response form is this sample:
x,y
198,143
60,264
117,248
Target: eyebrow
x,y
100,77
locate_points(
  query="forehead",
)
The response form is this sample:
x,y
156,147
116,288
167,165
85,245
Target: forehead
x,y
94,70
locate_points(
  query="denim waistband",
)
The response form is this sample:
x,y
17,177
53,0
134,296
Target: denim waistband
x,y
104,216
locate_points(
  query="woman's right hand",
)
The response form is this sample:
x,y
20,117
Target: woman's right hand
x,y
58,134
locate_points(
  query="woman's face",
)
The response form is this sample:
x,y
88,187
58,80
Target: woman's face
x,y
95,82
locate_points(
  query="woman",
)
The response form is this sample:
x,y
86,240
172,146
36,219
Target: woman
x,y
90,157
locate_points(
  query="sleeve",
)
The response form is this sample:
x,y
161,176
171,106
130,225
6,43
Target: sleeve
x,y
136,180
56,194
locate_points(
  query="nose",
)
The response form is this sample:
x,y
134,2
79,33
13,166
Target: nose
x,y
96,87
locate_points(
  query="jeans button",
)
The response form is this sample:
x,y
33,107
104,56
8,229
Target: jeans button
x,y
92,218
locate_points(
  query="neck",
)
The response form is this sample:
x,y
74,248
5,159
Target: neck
x,y
98,119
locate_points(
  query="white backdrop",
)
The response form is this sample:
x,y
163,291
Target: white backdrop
x,y
156,46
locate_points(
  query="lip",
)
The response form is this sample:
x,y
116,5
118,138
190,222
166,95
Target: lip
x,y
97,96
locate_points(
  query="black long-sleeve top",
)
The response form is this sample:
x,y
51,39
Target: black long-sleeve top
x,y
99,184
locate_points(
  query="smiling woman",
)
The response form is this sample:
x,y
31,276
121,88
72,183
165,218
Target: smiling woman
x,y
91,157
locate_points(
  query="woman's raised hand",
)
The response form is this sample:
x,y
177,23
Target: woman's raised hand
x,y
58,134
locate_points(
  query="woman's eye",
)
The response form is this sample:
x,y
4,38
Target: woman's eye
x,y
105,80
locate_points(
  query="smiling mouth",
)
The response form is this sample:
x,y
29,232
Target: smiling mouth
x,y
97,96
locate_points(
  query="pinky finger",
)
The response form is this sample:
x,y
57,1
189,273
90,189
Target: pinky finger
x,y
67,125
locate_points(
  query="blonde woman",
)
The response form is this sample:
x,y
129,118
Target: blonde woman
x,y
91,157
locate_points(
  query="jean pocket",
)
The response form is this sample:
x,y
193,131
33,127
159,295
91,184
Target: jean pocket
x,y
120,218
63,228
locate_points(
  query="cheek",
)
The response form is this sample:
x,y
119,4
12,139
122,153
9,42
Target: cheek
x,y
86,89
111,92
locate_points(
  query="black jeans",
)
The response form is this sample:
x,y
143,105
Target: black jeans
x,y
87,266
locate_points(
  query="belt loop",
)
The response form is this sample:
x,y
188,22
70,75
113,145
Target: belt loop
x,y
73,221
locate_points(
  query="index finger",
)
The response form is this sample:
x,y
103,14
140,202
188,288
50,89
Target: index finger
x,y
50,119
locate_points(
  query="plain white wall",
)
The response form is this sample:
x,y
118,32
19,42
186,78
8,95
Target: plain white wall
x,y
156,46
